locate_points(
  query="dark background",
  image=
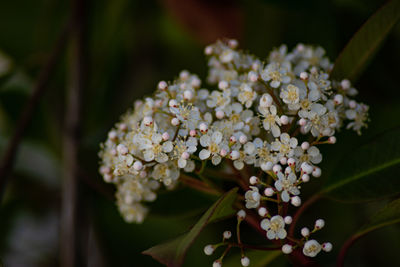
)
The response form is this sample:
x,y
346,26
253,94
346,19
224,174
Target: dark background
x,y
129,47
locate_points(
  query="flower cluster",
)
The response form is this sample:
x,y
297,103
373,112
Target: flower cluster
x,y
264,116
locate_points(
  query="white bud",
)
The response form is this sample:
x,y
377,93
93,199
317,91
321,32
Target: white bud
x,y
283,160
291,162
223,85
143,174
268,191
338,99
288,219
162,85
352,104
277,168
217,263
302,122
108,177
243,139
262,211
332,140
175,121
305,145
296,201
304,76
185,155
284,119
193,133
327,247
188,95
122,149
245,261
287,249
241,214
305,177
223,152
227,234
320,223
233,43
266,100
209,250
234,155
203,127
112,135
165,136
173,103
138,165
184,75
316,172
114,152
219,114
208,50
253,180
345,84
266,166
232,139
148,120
253,77
305,232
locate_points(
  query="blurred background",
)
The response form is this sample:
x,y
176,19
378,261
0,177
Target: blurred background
x,y
129,46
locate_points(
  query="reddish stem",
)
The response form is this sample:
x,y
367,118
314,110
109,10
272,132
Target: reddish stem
x,y
300,211
345,248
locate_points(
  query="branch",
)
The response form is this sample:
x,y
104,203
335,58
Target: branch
x,y
70,251
8,159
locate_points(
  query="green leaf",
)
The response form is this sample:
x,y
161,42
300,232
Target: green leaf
x,y
172,253
257,258
368,172
363,45
389,215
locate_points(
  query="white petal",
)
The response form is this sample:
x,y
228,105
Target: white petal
x,y
204,154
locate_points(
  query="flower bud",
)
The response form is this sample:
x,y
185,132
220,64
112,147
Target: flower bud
x,y
305,232
253,180
203,127
217,263
305,145
316,172
327,247
122,149
284,119
223,85
219,114
268,191
193,133
185,155
266,101
234,155
332,140
304,76
320,223
296,201
138,165
173,103
245,261
305,178
338,99
241,214
162,85
187,95
262,211
227,234
209,250
148,120
175,121
287,249
288,219
165,136
291,162
243,139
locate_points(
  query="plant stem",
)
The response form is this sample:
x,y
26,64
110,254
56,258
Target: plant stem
x,y
300,211
345,248
198,185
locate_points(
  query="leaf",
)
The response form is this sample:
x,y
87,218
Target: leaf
x,y
369,172
257,258
172,253
389,215
363,45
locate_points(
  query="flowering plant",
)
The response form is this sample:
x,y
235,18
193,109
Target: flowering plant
x,y
252,137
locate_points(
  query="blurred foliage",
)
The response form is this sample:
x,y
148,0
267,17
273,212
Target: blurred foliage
x,y
131,46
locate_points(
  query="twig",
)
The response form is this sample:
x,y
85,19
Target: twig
x,y
70,251
345,248
8,159
300,211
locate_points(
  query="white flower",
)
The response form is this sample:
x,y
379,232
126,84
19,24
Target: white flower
x,y
276,74
246,95
311,248
285,146
311,155
252,198
275,227
213,146
291,96
287,184
271,121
